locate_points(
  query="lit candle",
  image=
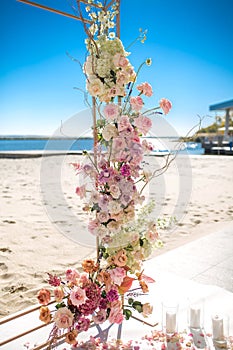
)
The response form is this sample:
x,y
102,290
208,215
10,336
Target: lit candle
x,y
217,324
170,322
195,318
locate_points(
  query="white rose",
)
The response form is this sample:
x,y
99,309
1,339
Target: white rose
x,y
95,86
109,131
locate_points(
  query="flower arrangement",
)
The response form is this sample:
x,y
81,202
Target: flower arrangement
x,y
111,180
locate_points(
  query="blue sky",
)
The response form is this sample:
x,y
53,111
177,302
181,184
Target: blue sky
x,y
190,43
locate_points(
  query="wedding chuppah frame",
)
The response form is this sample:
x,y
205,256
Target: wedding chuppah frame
x,y
48,344
85,21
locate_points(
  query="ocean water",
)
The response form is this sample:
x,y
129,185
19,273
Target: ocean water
x,y
162,145
48,144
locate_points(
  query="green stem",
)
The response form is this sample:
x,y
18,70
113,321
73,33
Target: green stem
x,y
131,88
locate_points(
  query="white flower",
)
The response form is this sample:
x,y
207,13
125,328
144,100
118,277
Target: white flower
x,y
111,35
109,132
114,207
95,86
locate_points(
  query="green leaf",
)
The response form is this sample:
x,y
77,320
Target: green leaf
x,y
58,306
130,301
127,313
137,305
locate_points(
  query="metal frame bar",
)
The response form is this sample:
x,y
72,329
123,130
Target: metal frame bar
x,y
50,9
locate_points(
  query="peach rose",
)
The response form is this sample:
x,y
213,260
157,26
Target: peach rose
x,y
165,105
120,258
45,315
89,266
104,277
71,337
58,294
147,309
43,296
63,318
114,225
95,86
144,286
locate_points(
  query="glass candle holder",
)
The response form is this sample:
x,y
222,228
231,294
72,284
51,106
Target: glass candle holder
x,y
196,314
220,328
170,317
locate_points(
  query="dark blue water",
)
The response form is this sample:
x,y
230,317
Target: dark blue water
x,y
40,145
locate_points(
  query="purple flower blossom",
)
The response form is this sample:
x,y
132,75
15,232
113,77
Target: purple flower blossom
x,y
112,295
125,170
103,303
83,324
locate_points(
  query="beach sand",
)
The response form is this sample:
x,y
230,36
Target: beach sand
x,y
35,215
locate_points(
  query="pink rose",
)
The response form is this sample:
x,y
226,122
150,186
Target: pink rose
x,y
116,315
118,144
78,296
100,317
63,318
111,111
136,103
122,78
72,275
120,60
124,124
81,191
145,89
143,124
117,275
92,226
165,105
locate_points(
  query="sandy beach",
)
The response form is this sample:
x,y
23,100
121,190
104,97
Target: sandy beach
x,y
35,215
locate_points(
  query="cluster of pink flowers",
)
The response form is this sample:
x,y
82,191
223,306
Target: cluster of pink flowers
x,y
90,296
115,195
109,189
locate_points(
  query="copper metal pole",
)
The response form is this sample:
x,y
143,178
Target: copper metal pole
x,y
53,10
